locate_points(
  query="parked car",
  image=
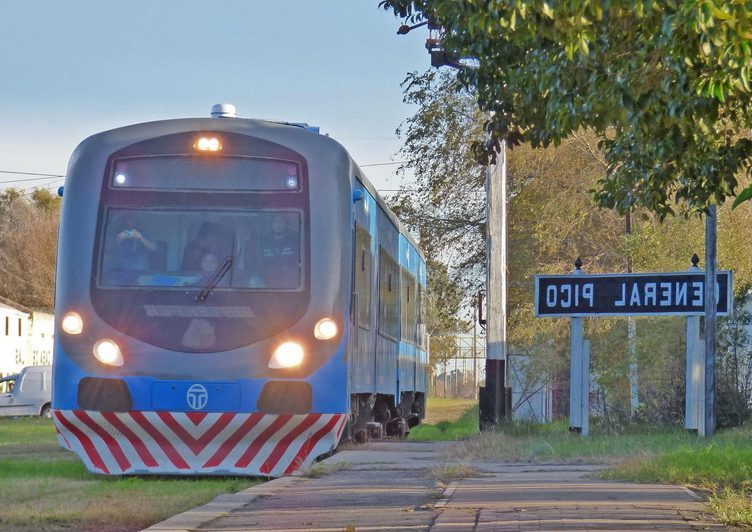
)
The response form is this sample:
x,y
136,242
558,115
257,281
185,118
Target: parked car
x,y
28,393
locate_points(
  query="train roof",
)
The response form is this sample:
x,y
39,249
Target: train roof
x,y
270,129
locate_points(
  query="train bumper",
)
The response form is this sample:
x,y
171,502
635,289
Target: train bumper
x,y
197,443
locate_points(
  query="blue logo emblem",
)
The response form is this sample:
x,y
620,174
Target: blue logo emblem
x,y
197,397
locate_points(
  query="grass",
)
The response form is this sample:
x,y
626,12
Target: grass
x,y
46,488
449,472
447,420
552,442
722,465
440,409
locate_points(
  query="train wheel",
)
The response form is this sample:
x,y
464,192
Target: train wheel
x,y
361,436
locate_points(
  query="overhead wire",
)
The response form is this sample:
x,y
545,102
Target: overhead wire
x,y
30,173
38,176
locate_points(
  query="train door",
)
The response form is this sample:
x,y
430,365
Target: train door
x,y
362,359
361,339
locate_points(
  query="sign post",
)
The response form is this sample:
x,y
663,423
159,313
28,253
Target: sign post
x,y
580,295
579,373
694,418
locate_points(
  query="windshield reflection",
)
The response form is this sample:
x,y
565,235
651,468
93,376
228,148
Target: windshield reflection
x,y
177,249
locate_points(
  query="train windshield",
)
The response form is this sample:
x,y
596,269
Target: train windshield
x,y
205,249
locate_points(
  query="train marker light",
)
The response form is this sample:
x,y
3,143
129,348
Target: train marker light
x,y
287,355
120,179
325,329
208,144
72,323
108,352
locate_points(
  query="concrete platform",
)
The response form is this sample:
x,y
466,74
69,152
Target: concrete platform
x,y
394,486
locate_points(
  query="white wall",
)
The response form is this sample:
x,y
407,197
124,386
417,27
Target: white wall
x,y
40,339
25,339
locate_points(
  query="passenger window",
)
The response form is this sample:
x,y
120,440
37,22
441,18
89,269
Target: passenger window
x,y
408,307
363,275
389,320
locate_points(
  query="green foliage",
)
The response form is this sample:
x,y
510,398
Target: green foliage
x,y
734,366
723,465
725,461
553,442
445,207
665,83
44,199
465,426
552,220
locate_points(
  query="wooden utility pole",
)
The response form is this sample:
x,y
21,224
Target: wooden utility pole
x,y
694,412
493,396
711,224
634,396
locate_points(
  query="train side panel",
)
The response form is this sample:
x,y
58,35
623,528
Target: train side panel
x,y
388,276
365,299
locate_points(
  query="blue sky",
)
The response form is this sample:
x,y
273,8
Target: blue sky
x,y
70,69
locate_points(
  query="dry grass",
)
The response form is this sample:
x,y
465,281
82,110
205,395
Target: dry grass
x,y
439,409
734,508
448,472
320,469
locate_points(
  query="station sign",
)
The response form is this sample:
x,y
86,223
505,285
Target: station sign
x,y
634,294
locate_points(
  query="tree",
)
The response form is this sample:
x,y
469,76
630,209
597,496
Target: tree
x,y
552,221
445,206
28,244
735,365
665,83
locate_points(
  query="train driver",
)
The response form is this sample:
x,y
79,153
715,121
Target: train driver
x,y
128,251
279,254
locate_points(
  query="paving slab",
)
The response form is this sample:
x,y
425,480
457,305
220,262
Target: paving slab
x,y
393,486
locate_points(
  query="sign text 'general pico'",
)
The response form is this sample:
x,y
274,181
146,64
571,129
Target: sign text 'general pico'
x,y
636,294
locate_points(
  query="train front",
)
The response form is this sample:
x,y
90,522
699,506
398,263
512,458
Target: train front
x,y
201,304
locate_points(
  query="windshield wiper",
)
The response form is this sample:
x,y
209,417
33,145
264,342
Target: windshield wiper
x,y
206,291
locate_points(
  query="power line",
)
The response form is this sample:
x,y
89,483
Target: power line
x,y
382,164
32,179
30,173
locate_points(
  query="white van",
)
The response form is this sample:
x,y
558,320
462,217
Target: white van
x,y
27,393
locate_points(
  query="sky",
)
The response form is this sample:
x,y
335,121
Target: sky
x,y
71,69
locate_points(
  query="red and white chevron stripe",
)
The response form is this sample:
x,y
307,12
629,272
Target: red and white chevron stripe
x,y
197,443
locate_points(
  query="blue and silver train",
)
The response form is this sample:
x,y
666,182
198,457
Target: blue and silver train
x,y
233,297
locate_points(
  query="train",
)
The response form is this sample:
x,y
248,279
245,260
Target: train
x,y
233,297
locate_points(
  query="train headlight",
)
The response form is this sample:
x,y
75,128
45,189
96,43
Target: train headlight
x,y
72,323
325,329
287,355
108,352
208,144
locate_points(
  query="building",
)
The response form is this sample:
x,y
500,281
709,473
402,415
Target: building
x,y
26,337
